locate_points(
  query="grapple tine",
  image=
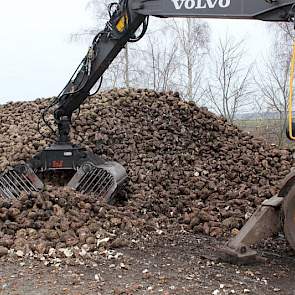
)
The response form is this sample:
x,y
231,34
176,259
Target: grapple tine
x,y
108,182
4,190
97,185
9,192
89,179
19,179
103,180
22,183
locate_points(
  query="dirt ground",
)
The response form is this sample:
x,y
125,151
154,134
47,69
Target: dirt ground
x,y
186,264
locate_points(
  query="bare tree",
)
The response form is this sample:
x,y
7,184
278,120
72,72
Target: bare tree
x,y
118,73
160,63
284,32
172,57
127,66
193,39
99,13
273,83
229,86
273,77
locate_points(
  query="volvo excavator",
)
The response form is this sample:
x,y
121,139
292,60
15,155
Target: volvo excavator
x,y
128,22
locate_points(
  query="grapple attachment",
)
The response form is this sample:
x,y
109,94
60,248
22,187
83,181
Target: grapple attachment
x,y
93,174
17,180
103,180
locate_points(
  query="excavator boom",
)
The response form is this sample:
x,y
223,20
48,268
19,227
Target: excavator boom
x,y
267,10
126,18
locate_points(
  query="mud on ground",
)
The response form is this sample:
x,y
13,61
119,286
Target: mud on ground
x,y
183,264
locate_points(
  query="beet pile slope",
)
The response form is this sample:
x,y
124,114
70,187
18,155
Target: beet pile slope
x,y
188,169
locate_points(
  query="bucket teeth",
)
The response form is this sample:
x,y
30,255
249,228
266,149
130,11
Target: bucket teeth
x,y
102,180
17,180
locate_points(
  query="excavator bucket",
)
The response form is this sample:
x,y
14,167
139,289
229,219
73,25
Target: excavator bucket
x,y
17,180
266,221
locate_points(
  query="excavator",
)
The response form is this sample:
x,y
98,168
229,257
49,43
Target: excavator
x,y
128,22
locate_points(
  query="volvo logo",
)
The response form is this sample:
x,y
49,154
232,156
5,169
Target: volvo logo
x,y
200,4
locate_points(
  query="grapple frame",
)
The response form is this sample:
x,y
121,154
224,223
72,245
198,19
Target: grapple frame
x,y
93,174
17,180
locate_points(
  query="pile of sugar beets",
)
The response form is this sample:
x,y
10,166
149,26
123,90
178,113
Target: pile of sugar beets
x,y
188,170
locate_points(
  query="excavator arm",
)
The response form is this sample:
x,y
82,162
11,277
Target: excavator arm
x,y
128,15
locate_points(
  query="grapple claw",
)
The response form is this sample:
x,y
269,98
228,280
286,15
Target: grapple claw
x,y
93,174
17,180
102,180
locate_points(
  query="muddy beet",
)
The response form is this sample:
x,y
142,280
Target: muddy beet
x,y
188,170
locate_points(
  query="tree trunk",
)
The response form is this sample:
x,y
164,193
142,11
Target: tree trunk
x,y
126,72
189,63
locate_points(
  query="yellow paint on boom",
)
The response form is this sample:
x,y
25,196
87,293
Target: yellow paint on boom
x,y
121,25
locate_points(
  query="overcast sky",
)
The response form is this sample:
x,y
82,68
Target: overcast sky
x,y
37,59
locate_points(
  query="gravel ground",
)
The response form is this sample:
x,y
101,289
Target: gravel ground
x,y
183,264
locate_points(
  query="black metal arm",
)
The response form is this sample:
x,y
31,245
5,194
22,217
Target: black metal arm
x,y
127,16
119,30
